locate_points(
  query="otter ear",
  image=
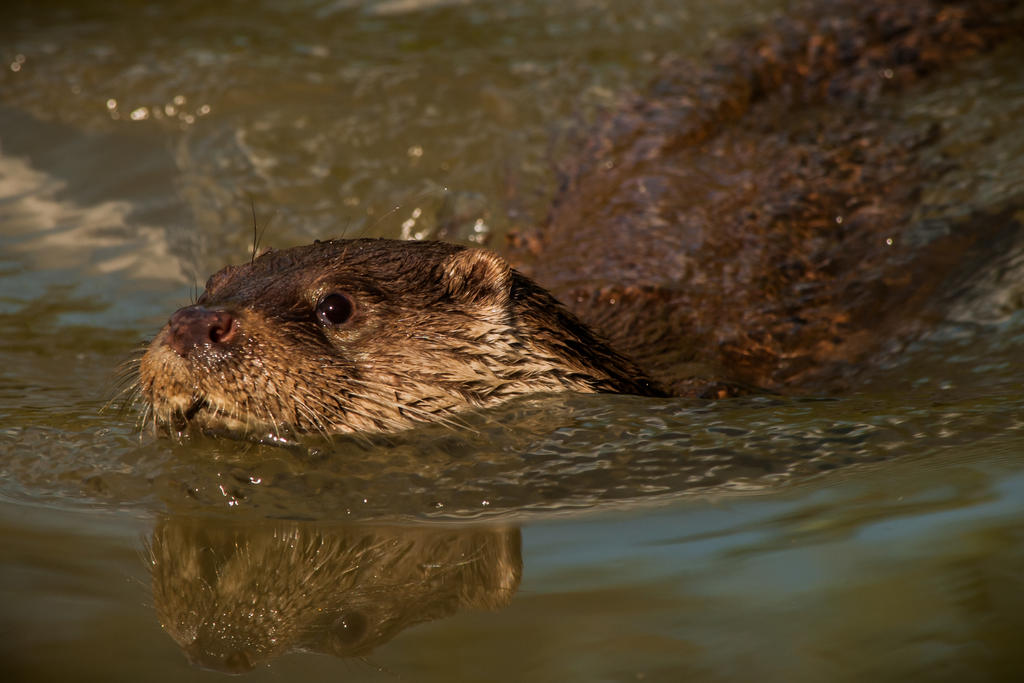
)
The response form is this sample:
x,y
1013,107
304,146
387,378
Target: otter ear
x,y
478,277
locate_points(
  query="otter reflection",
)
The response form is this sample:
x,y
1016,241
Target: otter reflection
x,y
234,595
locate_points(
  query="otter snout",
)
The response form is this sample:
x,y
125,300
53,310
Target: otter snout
x,y
195,326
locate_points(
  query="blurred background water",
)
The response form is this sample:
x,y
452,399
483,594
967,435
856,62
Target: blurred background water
x,y
874,536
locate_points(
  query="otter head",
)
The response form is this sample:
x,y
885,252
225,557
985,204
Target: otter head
x,y
367,335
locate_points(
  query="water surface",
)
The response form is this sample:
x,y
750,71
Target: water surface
x,y
875,535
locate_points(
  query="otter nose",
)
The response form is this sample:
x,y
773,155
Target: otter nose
x,y
195,326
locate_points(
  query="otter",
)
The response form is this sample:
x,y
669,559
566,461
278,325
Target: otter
x,y
368,335
758,222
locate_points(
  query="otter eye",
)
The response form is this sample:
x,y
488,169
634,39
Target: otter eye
x,y
335,309
350,627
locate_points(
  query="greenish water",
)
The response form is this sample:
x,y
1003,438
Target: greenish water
x,y
874,536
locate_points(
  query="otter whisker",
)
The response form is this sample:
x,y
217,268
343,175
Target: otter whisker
x,y
126,387
305,412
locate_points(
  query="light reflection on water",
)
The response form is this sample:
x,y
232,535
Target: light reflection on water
x,y
871,536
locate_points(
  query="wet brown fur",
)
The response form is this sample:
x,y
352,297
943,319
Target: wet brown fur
x,y
755,220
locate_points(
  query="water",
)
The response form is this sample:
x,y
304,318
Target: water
x,y
867,536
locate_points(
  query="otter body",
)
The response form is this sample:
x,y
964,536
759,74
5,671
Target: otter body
x,y
368,335
771,216
761,220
